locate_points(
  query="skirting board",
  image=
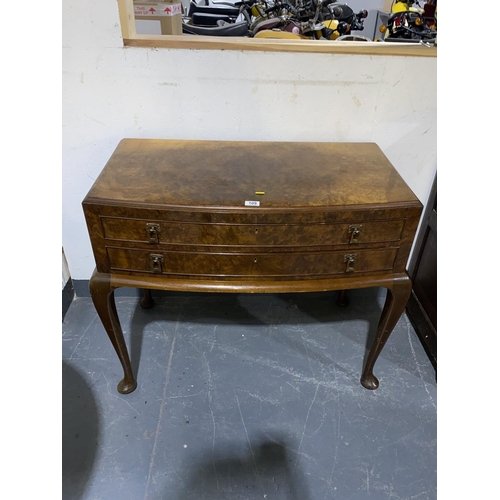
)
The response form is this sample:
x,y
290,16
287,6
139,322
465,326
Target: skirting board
x,y
68,294
82,290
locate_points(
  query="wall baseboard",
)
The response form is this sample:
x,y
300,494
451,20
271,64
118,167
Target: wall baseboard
x,y
82,290
68,294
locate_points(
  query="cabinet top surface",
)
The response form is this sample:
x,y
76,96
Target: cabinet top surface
x,y
182,173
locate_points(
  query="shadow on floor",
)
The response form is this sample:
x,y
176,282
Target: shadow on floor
x,y
80,431
265,470
215,308
315,307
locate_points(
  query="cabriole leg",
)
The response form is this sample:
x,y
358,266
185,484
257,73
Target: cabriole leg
x,y
147,300
104,301
342,300
397,296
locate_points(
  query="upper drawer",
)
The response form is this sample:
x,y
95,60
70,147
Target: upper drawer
x,y
185,233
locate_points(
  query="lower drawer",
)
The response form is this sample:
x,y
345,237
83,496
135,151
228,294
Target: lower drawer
x,y
251,264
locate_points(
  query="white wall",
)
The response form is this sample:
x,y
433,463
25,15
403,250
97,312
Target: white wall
x,y
111,92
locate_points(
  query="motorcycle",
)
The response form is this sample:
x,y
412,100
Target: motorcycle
x,y
408,22
309,19
303,19
218,19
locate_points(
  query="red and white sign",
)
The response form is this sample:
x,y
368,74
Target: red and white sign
x,y
157,10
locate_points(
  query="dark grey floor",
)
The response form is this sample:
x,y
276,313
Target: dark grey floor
x,y
246,397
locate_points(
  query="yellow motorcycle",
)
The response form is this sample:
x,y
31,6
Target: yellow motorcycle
x,y
408,22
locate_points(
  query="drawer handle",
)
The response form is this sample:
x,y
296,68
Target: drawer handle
x,y
156,262
153,231
349,260
355,231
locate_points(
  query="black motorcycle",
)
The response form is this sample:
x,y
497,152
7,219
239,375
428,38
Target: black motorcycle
x,y
220,19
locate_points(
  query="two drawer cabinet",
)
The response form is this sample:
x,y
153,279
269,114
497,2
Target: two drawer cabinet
x,y
249,217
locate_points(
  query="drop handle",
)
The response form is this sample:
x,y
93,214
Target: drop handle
x,y
349,259
355,231
156,261
153,231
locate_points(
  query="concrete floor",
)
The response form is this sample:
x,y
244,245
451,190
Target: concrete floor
x,y
246,397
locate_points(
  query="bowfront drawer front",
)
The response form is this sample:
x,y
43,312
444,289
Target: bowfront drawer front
x,y
184,233
252,264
